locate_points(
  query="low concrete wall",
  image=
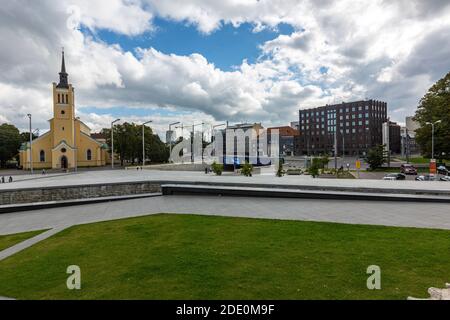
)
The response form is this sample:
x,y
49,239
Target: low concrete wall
x,y
30,195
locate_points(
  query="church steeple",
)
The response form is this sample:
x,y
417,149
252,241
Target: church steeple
x,y
63,82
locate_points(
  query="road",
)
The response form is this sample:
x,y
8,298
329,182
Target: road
x,y
423,215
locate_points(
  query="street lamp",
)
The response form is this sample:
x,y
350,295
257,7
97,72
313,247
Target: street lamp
x,y
31,141
112,142
182,136
143,142
432,135
170,140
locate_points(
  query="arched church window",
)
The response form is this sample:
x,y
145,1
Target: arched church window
x,y
67,98
63,112
59,98
42,156
89,154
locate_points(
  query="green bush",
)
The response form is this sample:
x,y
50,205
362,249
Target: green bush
x,y
217,168
314,170
247,169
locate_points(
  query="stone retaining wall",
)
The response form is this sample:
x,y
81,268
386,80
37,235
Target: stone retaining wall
x,y
76,192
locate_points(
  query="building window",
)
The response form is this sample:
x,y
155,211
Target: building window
x,y
63,112
62,128
42,156
67,98
63,150
89,155
59,98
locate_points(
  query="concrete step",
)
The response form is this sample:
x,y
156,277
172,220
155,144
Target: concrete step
x,y
246,191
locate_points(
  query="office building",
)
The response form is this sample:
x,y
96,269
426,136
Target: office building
x,y
356,127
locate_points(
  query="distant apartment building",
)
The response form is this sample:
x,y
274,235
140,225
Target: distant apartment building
x,y
409,145
357,126
286,136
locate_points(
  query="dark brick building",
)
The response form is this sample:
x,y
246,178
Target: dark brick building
x,y
358,126
395,143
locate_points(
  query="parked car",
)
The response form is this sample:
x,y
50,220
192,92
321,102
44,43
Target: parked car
x,y
407,168
394,176
443,170
426,177
445,178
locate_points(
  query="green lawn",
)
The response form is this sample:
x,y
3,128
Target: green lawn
x,y
10,240
417,160
199,257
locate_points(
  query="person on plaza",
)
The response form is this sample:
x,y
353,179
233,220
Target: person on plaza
x,y
10,179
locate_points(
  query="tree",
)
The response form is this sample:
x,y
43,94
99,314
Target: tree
x,y
9,143
25,136
316,164
217,168
247,169
128,144
375,157
324,159
435,105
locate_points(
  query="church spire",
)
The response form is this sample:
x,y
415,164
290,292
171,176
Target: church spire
x,y
63,83
63,64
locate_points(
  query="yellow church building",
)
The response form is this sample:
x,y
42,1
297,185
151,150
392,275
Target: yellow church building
x,y
68,143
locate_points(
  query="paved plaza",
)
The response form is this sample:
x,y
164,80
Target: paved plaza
x,y
269,179
401,214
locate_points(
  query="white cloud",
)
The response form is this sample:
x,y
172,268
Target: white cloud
x,y
391,51
121,16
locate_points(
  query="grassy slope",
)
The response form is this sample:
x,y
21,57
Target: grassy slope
x,y
10,240
190,257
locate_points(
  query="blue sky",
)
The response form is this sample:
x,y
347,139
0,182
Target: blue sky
x,y
226,47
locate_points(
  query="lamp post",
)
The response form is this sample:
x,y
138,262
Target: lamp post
x,y
143,141
31,141
182,136
432,135
170,140
335,150
112,142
